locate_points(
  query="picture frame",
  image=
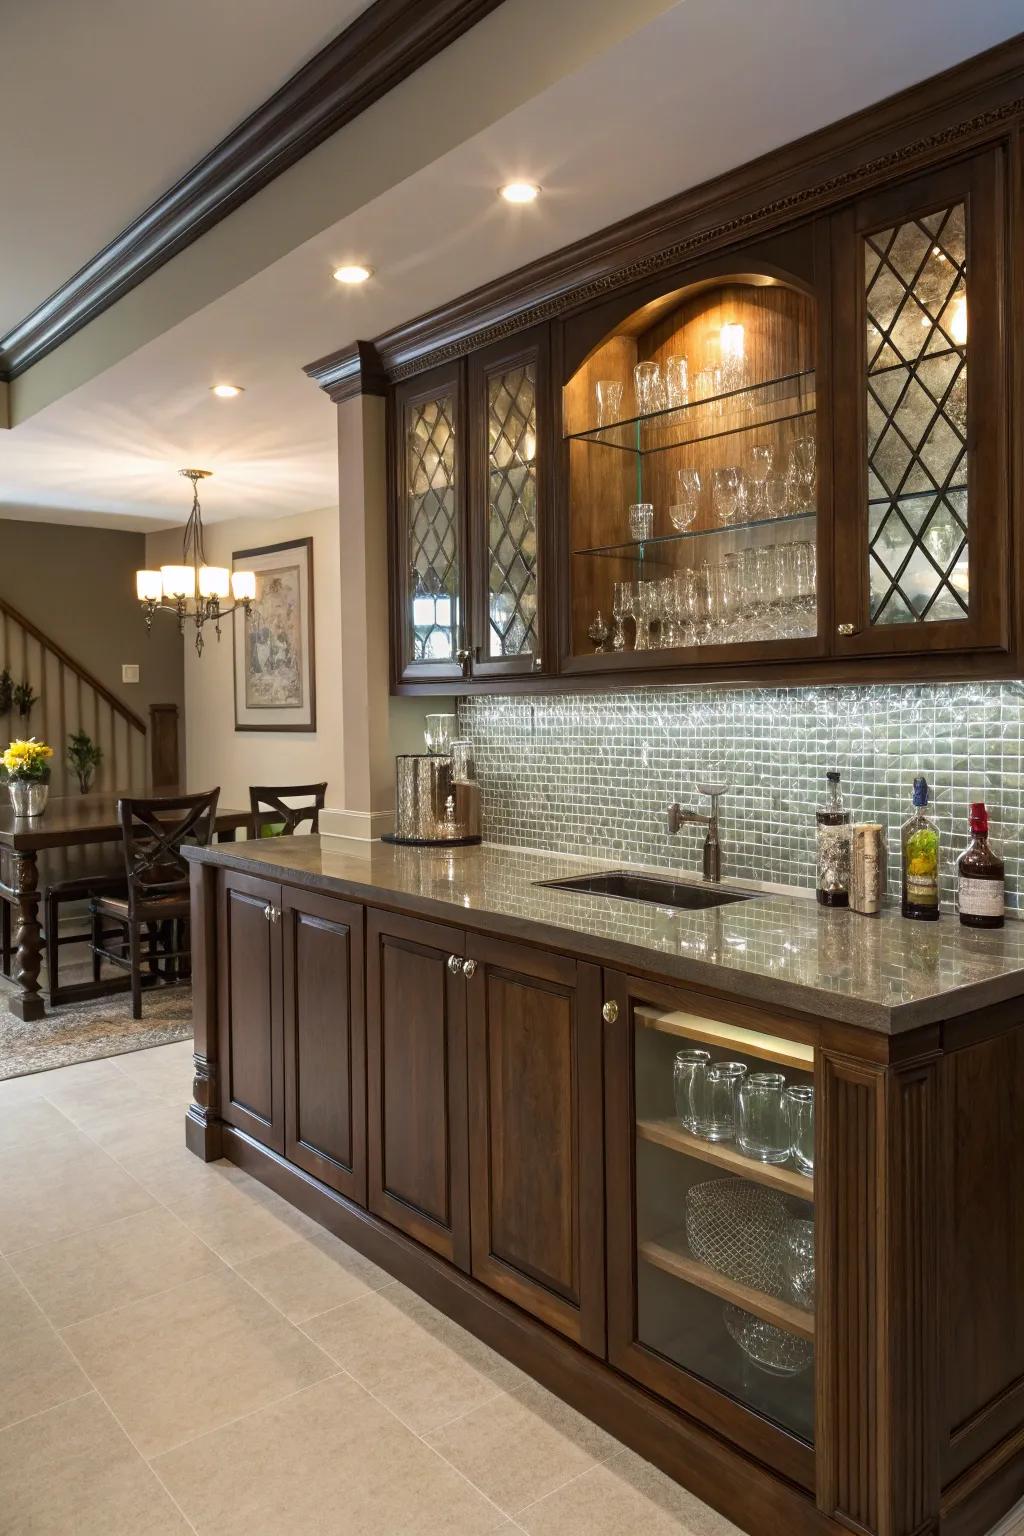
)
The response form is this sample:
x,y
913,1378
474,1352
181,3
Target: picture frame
x,y
274,650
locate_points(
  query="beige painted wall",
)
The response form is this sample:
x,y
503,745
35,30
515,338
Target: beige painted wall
x,y
217,753
77,585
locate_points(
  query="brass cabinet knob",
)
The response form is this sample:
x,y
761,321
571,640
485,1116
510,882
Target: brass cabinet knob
x,y
846,629
610,1011
454,964
468,969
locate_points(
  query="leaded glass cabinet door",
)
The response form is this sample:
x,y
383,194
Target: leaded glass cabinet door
x,y
508,395
428,531
921,496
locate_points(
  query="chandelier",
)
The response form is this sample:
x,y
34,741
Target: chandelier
x,y
194,590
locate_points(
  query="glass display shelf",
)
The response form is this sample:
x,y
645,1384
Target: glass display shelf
x,y
699,421
671,1253
648,549
666,1131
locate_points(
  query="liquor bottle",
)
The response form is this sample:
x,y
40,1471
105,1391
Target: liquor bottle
x,y
980,872
833,826
919,842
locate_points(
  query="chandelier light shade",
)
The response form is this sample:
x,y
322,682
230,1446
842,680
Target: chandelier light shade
x,y
194,591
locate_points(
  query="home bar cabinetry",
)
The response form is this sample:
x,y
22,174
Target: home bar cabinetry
x,y
811,1343
824,447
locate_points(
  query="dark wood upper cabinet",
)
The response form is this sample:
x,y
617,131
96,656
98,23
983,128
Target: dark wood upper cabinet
x,y
429,590
922,415
536,1134
325,1039
249,1008
509,417
416,1080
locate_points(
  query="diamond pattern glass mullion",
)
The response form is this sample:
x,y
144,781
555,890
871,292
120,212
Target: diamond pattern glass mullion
x,y
512,512
915,280
432,532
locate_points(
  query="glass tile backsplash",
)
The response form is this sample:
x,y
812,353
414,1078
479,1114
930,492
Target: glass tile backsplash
x,y
593,774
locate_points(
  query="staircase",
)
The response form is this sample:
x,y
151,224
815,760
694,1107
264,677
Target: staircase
x,y
69,699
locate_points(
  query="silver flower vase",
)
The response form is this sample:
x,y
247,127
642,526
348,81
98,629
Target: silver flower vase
x,y
28,796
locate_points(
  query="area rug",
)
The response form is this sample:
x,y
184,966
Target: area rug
x,y
88,1031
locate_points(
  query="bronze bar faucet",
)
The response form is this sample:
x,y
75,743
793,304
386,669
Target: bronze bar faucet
x,y
677,818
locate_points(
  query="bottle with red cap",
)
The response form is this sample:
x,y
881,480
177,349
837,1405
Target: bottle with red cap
x,y
980,877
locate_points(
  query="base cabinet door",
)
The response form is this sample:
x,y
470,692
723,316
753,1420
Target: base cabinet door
x,y
536,1138
249,1007
416,1075
325,1040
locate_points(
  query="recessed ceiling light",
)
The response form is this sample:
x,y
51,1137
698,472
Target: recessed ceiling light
x,y
520,192
352,274
227,391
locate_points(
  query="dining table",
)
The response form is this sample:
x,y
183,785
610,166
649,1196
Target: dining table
x,y
69,821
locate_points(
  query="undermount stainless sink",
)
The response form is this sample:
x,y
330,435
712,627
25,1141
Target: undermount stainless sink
x,y
660,893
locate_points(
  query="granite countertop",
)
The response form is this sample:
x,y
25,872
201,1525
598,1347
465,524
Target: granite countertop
x,y
884,973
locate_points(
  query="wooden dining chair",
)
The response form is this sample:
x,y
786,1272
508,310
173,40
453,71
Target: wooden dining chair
x,y
154,833
264,798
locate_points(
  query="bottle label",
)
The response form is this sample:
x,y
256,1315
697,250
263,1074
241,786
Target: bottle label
x,y
922,890
981,898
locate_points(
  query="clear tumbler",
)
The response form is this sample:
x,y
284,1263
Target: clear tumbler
x,y
762,1122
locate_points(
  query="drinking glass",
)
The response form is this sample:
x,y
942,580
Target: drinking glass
x,y
641,520
620,611
807,586
645,615
777,496
761,459
687,502
720,1087
804,458
732,604
650,388
438,732
669,633
727,494
716,605
800,1109
609,401
708,386
688,1073
677,381
798,1261
762,1127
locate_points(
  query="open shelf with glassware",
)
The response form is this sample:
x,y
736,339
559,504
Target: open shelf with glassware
x,y
724,1207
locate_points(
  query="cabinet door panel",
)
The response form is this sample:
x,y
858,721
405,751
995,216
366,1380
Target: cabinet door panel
x,y
536,1162
250,1008
324,1031
922,502
416,1055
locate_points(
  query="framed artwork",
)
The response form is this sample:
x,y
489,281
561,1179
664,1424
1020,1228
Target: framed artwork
x,y
275,673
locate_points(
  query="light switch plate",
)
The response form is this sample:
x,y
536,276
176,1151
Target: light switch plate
x,y
130,672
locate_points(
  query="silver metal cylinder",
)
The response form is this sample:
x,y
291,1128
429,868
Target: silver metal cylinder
x,y
425,800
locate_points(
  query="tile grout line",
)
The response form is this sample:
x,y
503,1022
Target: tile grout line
x,y
90,1391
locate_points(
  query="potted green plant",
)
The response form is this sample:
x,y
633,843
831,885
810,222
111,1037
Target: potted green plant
x,y
27,766
84,756
26,699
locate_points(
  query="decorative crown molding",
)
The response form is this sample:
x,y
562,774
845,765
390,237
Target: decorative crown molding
x,y
922,125
381,48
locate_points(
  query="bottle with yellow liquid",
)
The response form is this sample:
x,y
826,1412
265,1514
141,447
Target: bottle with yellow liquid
x,y
919,840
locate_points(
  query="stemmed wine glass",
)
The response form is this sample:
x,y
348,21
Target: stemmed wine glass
x,y
802,469
620,610
727,494
761,459
687,501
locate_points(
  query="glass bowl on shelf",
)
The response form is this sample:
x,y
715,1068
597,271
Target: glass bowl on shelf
x,y
771,1349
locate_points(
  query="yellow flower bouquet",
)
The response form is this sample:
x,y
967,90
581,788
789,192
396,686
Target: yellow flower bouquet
x,y
27,762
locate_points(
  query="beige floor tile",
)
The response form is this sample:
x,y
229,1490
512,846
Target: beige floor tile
x,y
172,1176
72,1472
242,1221
37,1370
625,1497
159,1072
154,1125
84,1096
312,1275
32,1122
327,1461
110,1266
61,1187
22,1090
424,1367
182,1363
520,1448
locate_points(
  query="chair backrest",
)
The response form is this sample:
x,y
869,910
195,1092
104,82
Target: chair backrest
x,y
154,832
271,797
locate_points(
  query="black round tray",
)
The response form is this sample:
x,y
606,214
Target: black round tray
x,y
430,842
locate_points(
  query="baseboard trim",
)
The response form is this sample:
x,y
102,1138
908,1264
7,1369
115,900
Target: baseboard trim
x,y
365,826
710,1468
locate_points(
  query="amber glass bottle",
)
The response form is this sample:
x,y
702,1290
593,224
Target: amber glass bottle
x,y
980,877
833,828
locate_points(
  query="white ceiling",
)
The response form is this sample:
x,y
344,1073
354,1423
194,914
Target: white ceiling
x,y
706,86
105,104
